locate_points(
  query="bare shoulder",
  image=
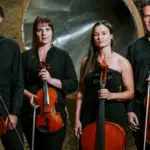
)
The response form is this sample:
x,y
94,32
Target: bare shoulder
x,y
122,61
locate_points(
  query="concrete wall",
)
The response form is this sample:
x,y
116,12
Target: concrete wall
x,y
14,9
11,26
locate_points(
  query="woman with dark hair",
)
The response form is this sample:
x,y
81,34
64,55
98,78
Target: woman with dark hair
x,y
119,75
61,77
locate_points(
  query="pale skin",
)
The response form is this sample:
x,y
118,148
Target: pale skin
x,y
102,38
132,118
44,37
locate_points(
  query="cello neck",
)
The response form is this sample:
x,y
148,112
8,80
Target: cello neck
x,y
46,94
100,136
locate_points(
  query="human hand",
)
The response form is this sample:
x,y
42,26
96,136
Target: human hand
x,y
45,75
104,94
11,122
133,121
78,128
32,100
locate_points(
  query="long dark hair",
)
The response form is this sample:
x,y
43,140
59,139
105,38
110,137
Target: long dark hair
x,y
40,19
91,60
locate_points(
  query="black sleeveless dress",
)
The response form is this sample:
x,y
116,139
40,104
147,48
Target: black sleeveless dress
x,y
114,110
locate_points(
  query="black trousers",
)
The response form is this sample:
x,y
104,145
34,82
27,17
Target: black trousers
x,y
43,141
10,139
139,140
139,135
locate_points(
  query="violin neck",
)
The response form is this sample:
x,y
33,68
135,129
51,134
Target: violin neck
x,y
46,95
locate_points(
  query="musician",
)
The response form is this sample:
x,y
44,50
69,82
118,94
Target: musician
x,y
119,74
61,77
11,91
139,56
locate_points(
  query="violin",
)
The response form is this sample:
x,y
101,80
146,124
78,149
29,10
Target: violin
x,y
103,135
48,120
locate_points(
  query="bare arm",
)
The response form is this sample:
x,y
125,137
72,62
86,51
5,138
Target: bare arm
x,y
56,83
127,78
78,105
80,92
28,94
78,125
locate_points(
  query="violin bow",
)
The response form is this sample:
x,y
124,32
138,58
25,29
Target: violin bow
x,y
78,138
146,117
6,109
33,127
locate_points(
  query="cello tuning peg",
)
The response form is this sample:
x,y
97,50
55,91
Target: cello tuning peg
x,y
48,67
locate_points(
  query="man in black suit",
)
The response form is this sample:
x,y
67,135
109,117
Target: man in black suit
x,y
139,57
11,91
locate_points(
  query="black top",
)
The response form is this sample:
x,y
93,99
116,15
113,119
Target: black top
x,y
114,110
139,56
11,79
61,67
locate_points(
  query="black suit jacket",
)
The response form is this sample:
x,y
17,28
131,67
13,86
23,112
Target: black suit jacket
x,y
11,78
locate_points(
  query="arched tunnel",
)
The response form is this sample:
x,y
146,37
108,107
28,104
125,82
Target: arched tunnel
x,y
73,21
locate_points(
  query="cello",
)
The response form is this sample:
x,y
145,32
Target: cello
x,y
103,135
48,120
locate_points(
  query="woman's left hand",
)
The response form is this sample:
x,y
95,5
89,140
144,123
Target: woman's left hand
x,y
104,94
45,75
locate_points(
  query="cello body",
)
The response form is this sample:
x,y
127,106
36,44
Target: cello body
x,y
115,137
